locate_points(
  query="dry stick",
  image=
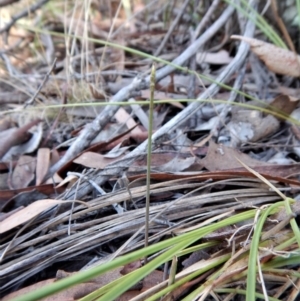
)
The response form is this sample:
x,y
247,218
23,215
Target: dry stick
x,y
206,17
233,94
114,169
172,28
32,99
138,83
23,13
195,34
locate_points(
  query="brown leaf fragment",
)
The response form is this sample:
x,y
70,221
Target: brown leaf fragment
x,y
24,172
10,138
26,214
195,257
101,280
27,289
42,166
278,60
70,294
123,117
4,215
221,157
127,296
18,136
93,160
130,267
154,278
177,294
283,104
24,196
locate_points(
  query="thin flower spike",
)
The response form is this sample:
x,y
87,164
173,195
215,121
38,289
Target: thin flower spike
x,y
278,60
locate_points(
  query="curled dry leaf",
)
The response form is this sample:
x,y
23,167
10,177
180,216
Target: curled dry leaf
x,y
278,60
10,138
16,144
283,104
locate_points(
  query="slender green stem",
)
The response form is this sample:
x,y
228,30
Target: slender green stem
x,y
149,151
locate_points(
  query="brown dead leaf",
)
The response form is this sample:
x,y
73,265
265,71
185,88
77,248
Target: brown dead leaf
x,y
9,197
27,213
24,172
27,289
10,138
101,280
123,117
278,60
42,165
194,257
154,278
4,215
70,180
17,136
70,294
129,295
106,146
93,160
130,267
167,162
221,157
283,104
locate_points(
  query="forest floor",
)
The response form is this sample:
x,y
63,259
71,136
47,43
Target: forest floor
x,y
216,83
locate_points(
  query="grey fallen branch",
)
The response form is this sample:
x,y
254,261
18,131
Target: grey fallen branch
x,y
91,131
117,168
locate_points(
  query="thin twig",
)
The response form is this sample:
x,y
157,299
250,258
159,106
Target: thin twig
x,y
172,28
206,18
30,101
22,14
233,94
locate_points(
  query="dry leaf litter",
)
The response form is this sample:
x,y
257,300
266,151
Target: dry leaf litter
x,y
73,163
